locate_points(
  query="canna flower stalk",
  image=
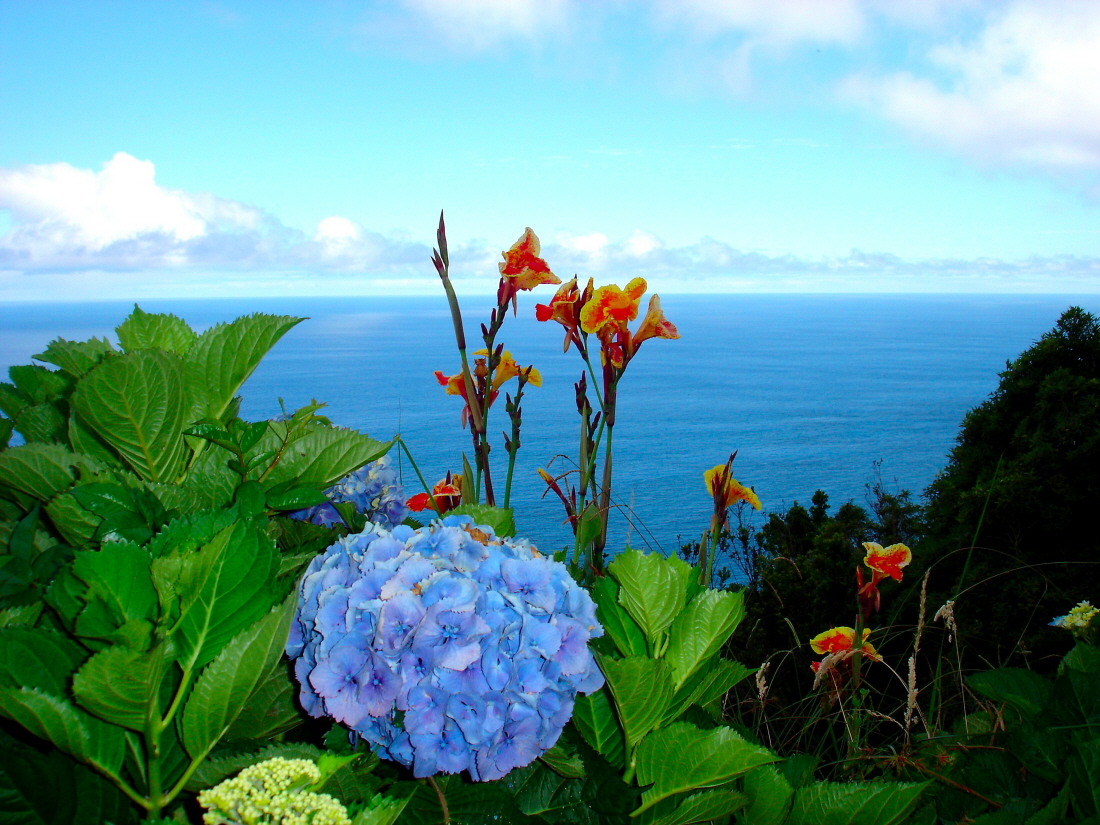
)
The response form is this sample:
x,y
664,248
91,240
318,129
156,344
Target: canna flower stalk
x,y
726,491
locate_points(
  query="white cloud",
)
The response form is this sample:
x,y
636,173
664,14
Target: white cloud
x,y
1023,90
119,219
770,22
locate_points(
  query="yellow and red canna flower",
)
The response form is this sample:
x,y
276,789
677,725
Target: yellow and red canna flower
x,y
561,307
522,266
726,490
609,304
887,561
508,369
454,383
654,325
447,492
839,640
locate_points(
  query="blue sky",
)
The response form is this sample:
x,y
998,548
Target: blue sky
x,y
208,149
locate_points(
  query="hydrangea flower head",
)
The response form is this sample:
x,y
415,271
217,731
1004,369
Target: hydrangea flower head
x,y
374,490
272,792
448,648
1078,620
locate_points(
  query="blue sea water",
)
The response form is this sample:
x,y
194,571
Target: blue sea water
x,y
811,390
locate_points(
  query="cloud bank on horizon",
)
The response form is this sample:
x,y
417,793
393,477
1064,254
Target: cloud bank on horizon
x,y
1005,85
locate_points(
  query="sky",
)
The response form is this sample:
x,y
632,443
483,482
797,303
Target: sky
x,y
234,149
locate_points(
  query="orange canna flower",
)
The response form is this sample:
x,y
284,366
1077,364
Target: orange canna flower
x,y
726,490
887,561
609,304
454,383
561,307
523,267
838,640
447,492
508,369
654,325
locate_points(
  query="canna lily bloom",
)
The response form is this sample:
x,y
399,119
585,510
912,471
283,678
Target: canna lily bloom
x,y
565,308
887,561
506,370
522,267
654,325
611,305
839,641
447,492
726,490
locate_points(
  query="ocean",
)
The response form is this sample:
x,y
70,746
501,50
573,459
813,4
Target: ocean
x,y
813,391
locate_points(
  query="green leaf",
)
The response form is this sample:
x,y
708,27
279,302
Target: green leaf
x,y
228,682
595,719
383,809
699,632
642,688
321,455
502,521
119,574
653,589
622,629
350,778
38,658
39,384
561,763
701,807
41,470
769,797
270,709
42,423
5,432
75,357
145,330
703,759
84,440
73,731
296,498
225,355
718,679
117,684
1022,689
249,499
137,404
76,525
130,513
855,803
236,570
24,615
12,400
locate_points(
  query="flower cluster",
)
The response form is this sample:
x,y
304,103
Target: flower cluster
x,y
447,648
1079,620
374,490
884,562
273,792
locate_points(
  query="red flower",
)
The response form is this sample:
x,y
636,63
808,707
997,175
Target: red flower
x,y
447,492
522,268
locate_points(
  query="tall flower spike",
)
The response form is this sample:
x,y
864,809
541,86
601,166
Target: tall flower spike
x,y
508,369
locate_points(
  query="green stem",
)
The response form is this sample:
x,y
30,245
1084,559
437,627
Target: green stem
x,y
605,504
419,474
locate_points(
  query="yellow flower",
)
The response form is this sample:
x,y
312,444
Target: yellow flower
x,y
726,490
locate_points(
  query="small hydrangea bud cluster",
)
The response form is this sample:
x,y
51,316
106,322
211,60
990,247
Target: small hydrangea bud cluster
x,y
373,489
1078,620
447,648
272,793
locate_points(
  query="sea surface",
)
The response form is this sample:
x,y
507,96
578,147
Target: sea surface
x,y
813,391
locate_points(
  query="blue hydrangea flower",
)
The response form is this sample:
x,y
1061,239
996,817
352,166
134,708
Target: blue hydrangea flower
x,y
373,489
447,648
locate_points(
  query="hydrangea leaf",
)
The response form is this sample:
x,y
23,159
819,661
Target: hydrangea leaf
x,y
116,683
56,720
703,759
383,809
769,796
855,803
38,658
41,423
700,630
137,403
119,575
1024,690
84,440
236,570
653,589
270,710
38,384
23,615
41,470
214,770
698,807
6,429
570,767
622,629
642,688
595,719
540,792
322,455
228,682
75,357
210,480
225,355
12,399
52,789
76,525
155,330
